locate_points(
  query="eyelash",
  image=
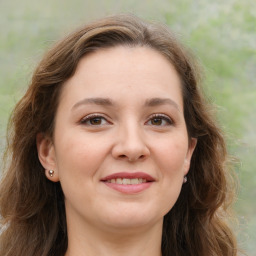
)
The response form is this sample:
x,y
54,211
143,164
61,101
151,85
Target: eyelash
x,y
168,120
91,117
161,117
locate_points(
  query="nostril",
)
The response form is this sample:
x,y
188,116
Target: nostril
x,y
131,158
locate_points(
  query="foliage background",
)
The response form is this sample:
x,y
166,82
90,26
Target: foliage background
x,y
221,33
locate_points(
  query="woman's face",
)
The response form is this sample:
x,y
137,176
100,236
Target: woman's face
x,y
120,148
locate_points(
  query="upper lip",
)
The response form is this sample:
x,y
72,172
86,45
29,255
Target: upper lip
x,y
129,175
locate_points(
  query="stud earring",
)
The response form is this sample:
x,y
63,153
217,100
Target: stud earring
x,y
51,172
185,179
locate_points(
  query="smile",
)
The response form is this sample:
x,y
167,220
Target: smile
x,y
129,182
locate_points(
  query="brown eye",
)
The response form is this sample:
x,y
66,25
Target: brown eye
x,y
94,120
160,120
156,121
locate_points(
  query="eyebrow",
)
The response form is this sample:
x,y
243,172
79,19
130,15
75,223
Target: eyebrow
x,y
161,101
94,101
108,102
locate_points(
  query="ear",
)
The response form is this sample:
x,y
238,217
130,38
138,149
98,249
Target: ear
x,y
191,148
46,156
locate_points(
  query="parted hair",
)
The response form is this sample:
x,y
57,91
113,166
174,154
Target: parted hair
x,y
32,210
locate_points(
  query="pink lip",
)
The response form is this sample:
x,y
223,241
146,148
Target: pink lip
x,y
129,175
131,188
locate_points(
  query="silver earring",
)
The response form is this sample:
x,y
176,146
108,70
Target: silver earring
x,y
185,179
51,172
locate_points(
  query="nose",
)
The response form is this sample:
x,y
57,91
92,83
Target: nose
x,y
130,144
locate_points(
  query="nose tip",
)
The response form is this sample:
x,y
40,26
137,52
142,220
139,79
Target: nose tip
x,y
131,147
131,157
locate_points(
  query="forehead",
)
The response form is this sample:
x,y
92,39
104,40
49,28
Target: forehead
x,y
122,70
141,58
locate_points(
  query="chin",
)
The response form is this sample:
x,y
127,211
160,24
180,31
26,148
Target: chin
x,y
132,219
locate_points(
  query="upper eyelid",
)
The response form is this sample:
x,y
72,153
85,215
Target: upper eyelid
x,y
166,118
157,115
160,115
87,117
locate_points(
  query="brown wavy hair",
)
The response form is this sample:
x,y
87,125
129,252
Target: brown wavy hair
x,y
32,207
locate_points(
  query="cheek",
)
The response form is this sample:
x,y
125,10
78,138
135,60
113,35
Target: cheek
x,y
171,164
172,155
79,155
78,160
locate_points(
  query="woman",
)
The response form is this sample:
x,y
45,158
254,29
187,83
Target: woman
x,y
113,151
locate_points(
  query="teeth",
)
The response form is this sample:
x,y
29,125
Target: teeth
x,y
118,181
134,181
126,181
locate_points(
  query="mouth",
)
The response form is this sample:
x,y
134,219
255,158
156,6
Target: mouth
x,y
128,183
128,178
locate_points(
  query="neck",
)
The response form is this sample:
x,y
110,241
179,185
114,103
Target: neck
x,y
90,241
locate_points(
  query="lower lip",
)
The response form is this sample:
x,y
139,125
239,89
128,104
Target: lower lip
x,y
129,189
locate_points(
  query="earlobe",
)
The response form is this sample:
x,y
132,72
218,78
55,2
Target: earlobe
x,y
52,175
46,156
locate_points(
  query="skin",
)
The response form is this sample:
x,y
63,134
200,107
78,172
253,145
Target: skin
x,y
127,136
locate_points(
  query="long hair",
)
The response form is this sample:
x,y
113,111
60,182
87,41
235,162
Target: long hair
x,y
32,207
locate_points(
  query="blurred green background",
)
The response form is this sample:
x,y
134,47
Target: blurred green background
x,y
221,33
